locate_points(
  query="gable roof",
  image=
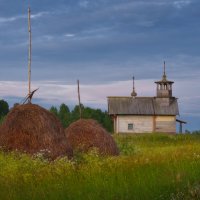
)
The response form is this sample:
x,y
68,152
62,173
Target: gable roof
x,y
142,106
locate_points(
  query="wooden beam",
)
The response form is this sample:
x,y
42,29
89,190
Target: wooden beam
x,y
181,121
154,124
79,100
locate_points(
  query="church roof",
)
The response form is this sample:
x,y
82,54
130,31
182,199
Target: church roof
x,y
142,106
164,81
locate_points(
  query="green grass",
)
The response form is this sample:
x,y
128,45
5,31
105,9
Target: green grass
x,y
154,166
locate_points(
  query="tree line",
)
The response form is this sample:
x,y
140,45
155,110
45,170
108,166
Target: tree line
x,y
4,109
68,116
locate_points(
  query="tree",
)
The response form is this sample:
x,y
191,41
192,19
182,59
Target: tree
x,y
187,131
63,109
66,117
102,117
107,122
76,112
196,132
64,114
2,119
54,110
4,108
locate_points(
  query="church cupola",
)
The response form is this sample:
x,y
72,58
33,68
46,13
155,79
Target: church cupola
x,y
133,94
164,87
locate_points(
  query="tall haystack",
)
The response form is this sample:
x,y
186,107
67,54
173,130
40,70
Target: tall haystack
x,y
32,129
85,134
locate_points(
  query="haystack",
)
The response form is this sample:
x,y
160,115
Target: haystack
x,y
86,134
32,129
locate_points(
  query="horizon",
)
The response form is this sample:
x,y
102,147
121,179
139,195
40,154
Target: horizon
x,y
103,44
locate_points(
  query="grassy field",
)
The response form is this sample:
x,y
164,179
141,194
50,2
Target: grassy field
x,y
150,167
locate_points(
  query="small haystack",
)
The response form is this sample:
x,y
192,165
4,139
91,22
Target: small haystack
x,y
85,134
32,129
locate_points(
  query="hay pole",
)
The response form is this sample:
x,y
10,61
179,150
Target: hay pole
x,y
29,97
79,100
30,93
29,53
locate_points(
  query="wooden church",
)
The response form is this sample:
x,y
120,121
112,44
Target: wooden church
x,y
134,114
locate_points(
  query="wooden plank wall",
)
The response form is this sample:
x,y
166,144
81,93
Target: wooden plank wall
x,y
165,124
141,124
145,124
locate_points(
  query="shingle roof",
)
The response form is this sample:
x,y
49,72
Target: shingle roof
x,y
142,106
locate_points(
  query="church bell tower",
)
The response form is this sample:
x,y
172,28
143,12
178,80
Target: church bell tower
x,y
164,86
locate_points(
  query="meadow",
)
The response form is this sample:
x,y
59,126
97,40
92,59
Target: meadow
x,y
150,166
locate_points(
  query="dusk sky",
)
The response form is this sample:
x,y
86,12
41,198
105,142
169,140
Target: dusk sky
x,y
103,43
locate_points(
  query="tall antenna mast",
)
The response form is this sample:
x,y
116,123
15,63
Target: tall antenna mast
x,y
29,53
79,99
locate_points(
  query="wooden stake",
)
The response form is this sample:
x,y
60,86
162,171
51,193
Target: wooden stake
x,y
79,100
29,53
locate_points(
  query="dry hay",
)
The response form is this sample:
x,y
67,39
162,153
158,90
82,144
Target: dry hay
x,y
32,129
86,134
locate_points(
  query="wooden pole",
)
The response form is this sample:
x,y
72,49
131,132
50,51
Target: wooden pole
x,y
29,53
180,128
79,100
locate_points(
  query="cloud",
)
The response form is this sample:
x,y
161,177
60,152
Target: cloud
x,y
56,92
19,17
47,37
10,19
84,3
39,14
101,42
181,3
95,95
69,35
186,91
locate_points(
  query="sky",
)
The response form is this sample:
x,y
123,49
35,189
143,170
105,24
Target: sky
x,y
103,43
